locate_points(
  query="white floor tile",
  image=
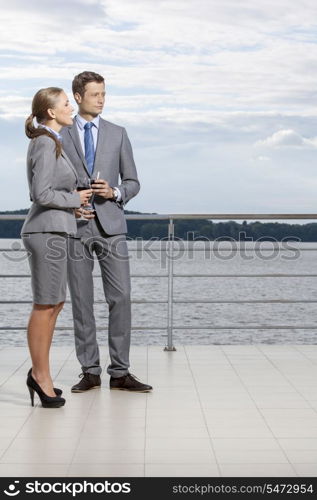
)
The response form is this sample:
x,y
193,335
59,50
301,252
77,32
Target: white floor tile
x,y
181,470
245,444
298,443
223,430
309,469
288,413
33,470
302,456
110,456
106,470
186,444
257,470
180,431
35,455
171,455
227,456
112,442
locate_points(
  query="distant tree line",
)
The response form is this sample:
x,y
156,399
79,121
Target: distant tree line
x,y
195,229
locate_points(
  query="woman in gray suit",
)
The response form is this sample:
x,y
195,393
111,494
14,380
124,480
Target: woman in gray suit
x,y
51,218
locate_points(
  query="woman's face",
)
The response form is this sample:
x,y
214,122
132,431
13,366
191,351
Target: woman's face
x,y
62,112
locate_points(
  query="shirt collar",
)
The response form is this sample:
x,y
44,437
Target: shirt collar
x,y
81,122
59,137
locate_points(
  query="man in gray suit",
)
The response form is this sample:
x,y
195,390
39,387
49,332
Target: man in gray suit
x,y
96,146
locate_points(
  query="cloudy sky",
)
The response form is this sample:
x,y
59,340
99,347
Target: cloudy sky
x,y
219,97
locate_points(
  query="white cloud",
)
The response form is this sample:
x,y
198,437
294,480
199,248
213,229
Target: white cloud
x,y
287,139
12,106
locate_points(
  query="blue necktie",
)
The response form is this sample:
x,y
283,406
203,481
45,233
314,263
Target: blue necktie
x,y
89,147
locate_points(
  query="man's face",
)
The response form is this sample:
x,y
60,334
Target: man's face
x,y
93,100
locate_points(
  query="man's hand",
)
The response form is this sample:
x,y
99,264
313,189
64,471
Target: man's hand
x,y
81,212
102,188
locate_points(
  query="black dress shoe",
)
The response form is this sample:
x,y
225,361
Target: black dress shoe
x,y
88,381
129,382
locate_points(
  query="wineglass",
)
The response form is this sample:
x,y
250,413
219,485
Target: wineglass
x,y
85,183
92,180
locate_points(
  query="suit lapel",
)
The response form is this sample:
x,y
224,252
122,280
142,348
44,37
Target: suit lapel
x,y
103,146
76,141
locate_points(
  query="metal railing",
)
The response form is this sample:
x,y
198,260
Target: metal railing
x,y
170,275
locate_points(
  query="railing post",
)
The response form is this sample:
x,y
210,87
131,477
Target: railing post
x,y
170,268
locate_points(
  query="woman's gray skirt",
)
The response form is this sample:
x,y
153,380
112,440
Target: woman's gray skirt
x,y
47,254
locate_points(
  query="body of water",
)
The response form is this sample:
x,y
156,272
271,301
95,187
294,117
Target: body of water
x,y
231,258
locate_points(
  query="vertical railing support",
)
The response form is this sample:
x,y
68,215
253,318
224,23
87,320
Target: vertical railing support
x,y
170,269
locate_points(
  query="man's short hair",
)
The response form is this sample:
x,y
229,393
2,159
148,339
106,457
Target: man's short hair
x,y
81,80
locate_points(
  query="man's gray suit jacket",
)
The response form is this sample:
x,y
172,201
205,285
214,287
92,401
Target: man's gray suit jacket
x,y
114,160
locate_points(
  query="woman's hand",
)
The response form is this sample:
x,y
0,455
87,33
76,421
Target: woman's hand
x,y
85,195
81,212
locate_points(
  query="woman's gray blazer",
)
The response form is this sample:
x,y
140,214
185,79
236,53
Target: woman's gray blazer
x,y
52,182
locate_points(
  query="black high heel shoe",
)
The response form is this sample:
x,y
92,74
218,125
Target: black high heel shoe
x,y
47,401
57,391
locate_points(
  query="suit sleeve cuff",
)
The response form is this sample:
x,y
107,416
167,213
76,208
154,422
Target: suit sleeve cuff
x,y
118,193
77,202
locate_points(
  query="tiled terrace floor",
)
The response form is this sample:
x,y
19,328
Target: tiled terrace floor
x,y
248,410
